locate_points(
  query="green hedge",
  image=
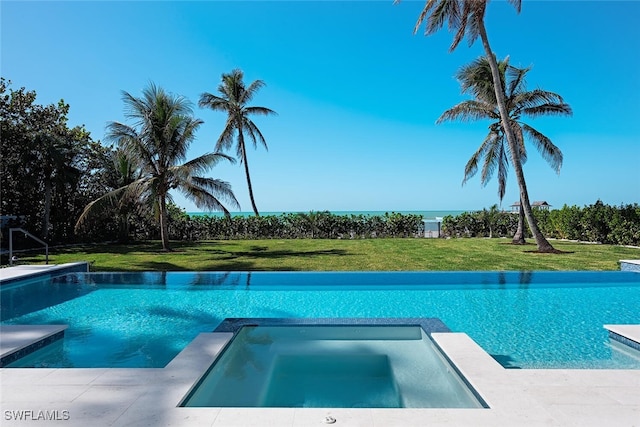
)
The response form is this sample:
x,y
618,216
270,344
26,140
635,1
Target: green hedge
x,y
312,225
618,225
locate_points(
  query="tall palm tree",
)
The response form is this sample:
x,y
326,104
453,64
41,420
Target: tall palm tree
x,y
162,131
476,79
233,99
467,17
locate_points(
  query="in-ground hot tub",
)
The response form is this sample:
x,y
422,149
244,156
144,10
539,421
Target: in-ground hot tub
x,y
332,366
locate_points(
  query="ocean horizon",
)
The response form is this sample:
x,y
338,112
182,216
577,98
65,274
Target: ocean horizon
x,y
426,214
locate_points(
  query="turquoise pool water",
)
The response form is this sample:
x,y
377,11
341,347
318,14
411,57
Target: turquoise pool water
x,y
524,320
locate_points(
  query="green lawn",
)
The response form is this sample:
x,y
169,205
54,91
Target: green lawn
x,y
342,255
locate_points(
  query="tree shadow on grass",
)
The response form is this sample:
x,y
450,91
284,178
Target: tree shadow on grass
x,y
228,260
289,253
161,266
554,251
127,248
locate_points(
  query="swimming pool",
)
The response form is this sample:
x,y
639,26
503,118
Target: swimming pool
x,y
523,319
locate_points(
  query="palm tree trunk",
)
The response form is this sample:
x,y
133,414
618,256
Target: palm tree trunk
x,y
543,244
246,172
518,238
164,226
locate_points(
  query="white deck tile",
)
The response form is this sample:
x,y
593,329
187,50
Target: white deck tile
x,y
39,395
242,417
154,417
104,403
128,376
596,416
71,376
23,375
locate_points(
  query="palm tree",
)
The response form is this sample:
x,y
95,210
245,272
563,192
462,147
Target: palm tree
x,y
120,169
476,79
467,17
162,130
233,99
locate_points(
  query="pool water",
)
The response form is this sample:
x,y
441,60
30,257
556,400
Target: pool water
x,y
524,320
332,367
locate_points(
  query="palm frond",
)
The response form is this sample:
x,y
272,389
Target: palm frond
x,y
517,4
469,111
517,132
471,168
202,163
213,101
226,138
111,200
547,149
527,99
492,157
207,192
460,22
475,13
476,79
517,82
548,110
250,91
423,15
255,134
261,111
443,11
503,169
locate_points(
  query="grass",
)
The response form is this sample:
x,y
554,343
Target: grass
x,y
342,255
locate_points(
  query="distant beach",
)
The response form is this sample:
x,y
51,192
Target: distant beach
x,y
424,214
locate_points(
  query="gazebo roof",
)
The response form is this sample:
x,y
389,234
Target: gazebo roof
x,y
536,203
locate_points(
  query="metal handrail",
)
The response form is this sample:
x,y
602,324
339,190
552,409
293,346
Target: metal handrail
x,y
26,233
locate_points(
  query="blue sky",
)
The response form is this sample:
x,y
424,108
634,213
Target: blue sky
x,y
357,94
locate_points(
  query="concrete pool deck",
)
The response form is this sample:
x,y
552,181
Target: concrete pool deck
x,y
150,396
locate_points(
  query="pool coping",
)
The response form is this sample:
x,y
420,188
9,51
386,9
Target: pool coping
x,y
17,341
628,335
13,274
428,324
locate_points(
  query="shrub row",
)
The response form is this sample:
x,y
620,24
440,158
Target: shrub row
x,y
618,225
312,225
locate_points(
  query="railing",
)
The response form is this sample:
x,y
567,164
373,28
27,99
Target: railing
x,y
26,234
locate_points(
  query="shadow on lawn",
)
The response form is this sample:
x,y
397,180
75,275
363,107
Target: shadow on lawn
x,y
265,253
216,256
242,260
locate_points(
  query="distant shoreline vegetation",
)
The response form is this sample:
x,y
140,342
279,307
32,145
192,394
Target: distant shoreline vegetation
x,y
426,214
618,225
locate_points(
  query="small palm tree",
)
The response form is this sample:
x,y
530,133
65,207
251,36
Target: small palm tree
x,y
162,131
120,169
476,79
233,99
467,17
